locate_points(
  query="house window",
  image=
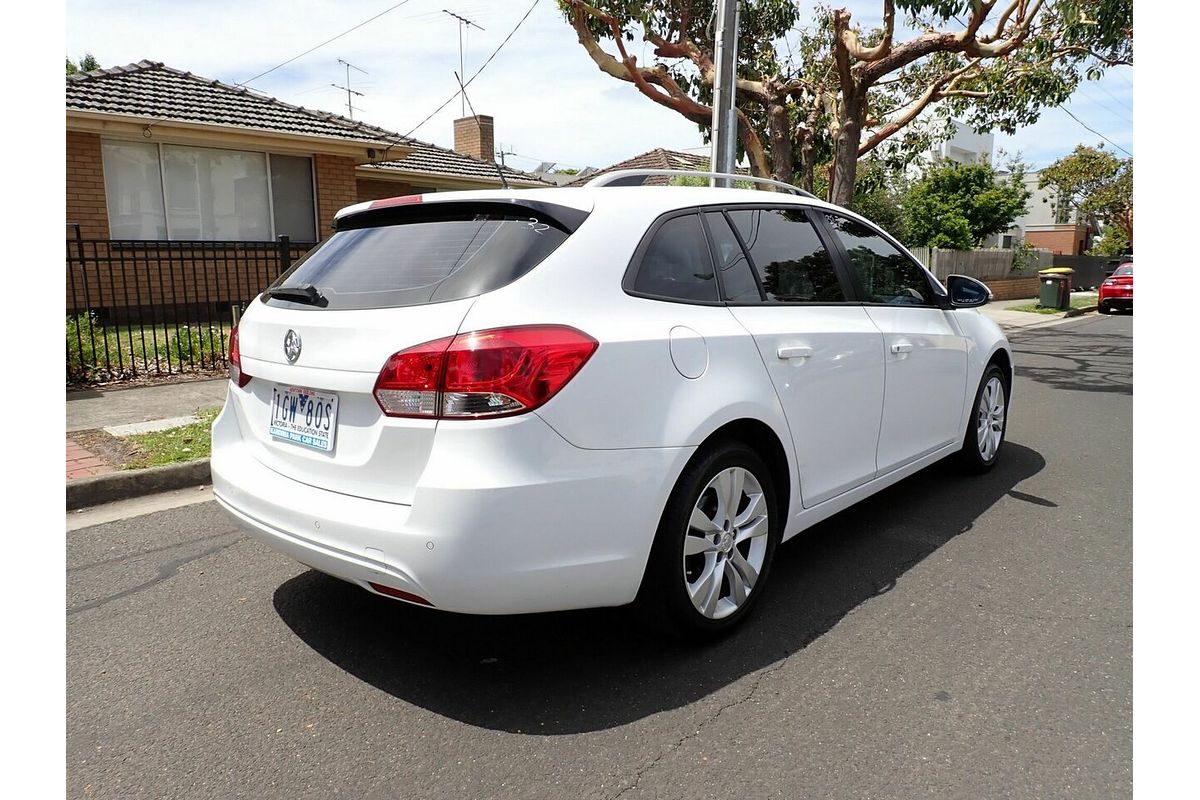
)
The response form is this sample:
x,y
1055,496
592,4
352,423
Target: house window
x,y
166,191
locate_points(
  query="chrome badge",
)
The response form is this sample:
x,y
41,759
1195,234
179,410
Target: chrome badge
x,y
291,346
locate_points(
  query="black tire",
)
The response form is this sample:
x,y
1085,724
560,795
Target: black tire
x,y
971,457
1103,309
663,600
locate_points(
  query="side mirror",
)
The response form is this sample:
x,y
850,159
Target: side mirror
x,y
967,292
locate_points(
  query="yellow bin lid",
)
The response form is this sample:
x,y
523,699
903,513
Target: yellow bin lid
x,y
1056,271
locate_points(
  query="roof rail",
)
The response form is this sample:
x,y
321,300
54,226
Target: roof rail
x,y
621,177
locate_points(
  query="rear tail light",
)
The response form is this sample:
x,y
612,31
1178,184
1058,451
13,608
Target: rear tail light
x,y
492,373
235,361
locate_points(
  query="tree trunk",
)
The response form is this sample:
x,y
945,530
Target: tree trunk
x,y
782,163
845,149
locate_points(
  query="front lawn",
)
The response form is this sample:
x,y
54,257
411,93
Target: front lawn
x,y
174,444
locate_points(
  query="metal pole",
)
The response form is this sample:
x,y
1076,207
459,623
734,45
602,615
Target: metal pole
x,y
724,122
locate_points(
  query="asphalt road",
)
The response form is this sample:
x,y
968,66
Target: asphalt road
x,y
951,637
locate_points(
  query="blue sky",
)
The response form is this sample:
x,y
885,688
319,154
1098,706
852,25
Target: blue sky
x,y
549,100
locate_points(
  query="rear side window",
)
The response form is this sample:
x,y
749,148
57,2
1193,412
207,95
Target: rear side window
x,y
676,264
737,277
886,274
792,263
441,256
1126,269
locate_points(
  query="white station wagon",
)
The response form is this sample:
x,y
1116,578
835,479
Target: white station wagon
x,y
501,402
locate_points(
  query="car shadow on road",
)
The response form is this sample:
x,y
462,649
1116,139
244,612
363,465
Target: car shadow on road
x,y
590,670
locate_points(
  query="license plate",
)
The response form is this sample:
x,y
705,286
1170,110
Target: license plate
x,y
304,417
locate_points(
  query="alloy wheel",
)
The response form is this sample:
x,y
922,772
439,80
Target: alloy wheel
x,y
726,543
989,428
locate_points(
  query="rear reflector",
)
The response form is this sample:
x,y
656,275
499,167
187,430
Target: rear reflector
x,y
399,594
491,373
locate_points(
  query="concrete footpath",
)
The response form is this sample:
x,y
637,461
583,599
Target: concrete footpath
x,y
91,480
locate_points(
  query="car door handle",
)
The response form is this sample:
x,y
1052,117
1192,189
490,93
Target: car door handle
x,y
902,347
795,352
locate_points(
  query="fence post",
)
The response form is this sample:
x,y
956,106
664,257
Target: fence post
x,y
285,254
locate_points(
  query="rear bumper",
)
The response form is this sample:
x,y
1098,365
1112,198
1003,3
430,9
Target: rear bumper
x,y
507,518
1116,301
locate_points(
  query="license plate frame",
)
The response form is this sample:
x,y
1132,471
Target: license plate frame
x,y
304,417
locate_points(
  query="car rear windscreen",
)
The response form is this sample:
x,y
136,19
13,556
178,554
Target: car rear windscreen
x,y
438,256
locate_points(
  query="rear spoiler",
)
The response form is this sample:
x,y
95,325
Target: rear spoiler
x,y
413,208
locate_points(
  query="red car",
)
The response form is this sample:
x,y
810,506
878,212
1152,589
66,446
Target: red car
x,y
1117,290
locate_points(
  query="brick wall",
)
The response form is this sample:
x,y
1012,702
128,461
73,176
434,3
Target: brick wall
x,y
1013,288
1065,241
336,189
377,190
86,202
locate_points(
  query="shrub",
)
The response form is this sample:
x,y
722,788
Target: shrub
x,y
196,344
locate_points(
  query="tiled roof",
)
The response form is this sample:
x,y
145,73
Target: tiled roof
x,y
433,160
149,89
657,158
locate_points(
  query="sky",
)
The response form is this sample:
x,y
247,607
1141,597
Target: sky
x,y
550,102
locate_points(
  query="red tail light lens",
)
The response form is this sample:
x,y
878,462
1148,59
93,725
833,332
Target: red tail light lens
x,y
490,373
235,360
408,384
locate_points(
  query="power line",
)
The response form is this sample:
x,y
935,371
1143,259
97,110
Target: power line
x,y
1103,105
450,99
1098,133
322,44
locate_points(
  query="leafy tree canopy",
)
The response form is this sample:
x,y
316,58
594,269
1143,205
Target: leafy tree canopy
x,y
957,206
1094,182
816,91
87,63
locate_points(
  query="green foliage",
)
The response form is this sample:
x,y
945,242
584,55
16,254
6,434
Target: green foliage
x,y
1022,256
196,344
957,206
1095,183
1114,243
991,77
99,353
185,443
87,63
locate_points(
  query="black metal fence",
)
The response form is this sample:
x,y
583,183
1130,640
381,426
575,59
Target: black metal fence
x,y
137,308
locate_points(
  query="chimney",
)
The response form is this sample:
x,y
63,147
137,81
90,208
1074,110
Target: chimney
x,y
474,136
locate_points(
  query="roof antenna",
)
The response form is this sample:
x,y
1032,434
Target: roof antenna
x,y
462,88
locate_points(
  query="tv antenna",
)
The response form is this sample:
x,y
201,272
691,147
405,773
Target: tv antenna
x,y
463,23
347,89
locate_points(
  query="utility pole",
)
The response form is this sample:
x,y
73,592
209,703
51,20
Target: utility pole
x,y
347,89
463,23
724,121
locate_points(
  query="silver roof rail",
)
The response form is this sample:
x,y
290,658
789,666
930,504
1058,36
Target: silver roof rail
x,y
621,177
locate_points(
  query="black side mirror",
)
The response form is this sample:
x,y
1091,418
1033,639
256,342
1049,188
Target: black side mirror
x,y
967,292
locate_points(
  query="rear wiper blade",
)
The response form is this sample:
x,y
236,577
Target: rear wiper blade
x,y
304,293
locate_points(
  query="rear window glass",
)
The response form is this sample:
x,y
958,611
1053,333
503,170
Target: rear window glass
x,y
677,264
1126,269
428,260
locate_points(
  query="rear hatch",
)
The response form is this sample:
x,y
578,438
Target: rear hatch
x,y
392,276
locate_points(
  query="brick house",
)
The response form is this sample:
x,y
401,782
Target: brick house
x,y
157,154
178,189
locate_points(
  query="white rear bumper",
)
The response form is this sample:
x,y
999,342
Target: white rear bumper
x,y
507,518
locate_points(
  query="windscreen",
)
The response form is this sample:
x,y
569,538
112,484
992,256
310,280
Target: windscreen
x,y
432,258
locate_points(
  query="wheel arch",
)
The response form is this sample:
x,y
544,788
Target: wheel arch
x,y
763,439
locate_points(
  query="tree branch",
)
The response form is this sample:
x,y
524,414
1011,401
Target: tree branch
x,y
849,38
933,92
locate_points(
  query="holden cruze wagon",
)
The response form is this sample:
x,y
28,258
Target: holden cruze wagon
x,y
499,402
